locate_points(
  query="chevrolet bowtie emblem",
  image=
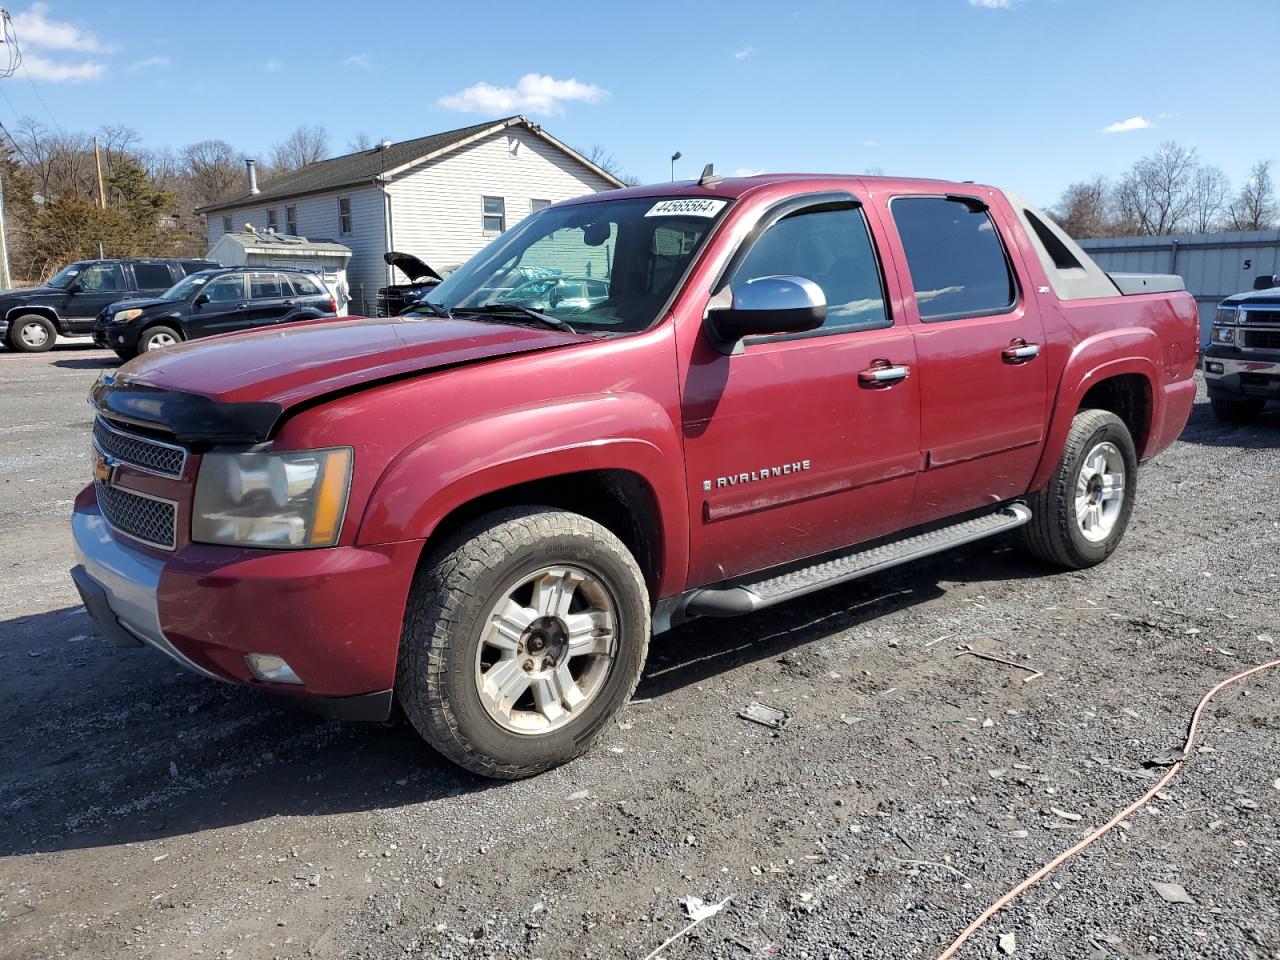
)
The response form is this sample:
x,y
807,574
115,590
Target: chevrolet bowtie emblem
x,y
103,467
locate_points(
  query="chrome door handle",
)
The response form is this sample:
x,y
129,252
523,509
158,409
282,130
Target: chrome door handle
x,y
1020,351
242,306
883,376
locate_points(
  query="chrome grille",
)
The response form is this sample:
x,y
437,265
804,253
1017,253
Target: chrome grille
x,y
1261,339
144,453
144,518
1260,315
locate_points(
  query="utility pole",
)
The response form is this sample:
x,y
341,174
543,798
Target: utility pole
x,y
6,281
97,159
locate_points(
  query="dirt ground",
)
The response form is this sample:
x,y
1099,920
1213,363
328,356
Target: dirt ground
x,y
148,813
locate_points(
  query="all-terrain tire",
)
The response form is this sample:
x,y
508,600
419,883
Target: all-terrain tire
x,y
451,596
32,333
1053,533
1237,410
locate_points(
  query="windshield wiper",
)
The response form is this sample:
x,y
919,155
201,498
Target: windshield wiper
x,y
437,309
511,310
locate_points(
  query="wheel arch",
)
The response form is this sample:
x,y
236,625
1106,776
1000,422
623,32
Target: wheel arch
x,y
173,323
39,310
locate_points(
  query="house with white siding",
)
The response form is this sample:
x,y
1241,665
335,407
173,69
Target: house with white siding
x,y
440,198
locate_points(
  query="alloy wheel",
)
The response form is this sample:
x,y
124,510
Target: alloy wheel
x,y
1100,491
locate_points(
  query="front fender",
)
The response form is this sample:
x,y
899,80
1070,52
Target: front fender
x,y
1131,350
463,461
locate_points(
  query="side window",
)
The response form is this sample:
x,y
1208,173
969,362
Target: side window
x,y
305,286
195,266
267,286
272,223
102,278
344,215
291,221
957,262
226,224
152,276
833,249
228,289
494,218
536,205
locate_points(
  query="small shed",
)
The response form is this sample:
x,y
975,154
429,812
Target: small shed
x,y
328,258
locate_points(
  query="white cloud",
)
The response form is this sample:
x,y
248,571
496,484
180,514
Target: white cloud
x,y
41,69
533,93
158,62
274,66
743,53
360,60
871,143
993,4
34,29
747,172
1124,126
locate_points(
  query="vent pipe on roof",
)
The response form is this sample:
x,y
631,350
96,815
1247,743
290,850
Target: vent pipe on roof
x,y
382,145
251,166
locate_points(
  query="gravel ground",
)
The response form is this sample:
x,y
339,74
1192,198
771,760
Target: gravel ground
x,y
150,813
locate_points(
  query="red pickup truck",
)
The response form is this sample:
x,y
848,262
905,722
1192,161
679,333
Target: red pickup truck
x,y
485,508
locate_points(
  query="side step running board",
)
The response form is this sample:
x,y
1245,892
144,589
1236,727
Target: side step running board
x,y
730,601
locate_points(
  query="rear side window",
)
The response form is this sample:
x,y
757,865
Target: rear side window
x,y
831,247
152,276
195,266
267,286
957,262
226,289
305,286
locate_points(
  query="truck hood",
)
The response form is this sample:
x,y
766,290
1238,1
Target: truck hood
x,y
237,388
23,292
411,266
140,304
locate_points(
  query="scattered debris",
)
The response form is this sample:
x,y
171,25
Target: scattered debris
x,y
439,883
707,911
159,858
578,795
1066,815
932,863
1173,893
1245,803
1034,673
765,715
997,773
173,769
695,908
1165,757
1008,943
1276,783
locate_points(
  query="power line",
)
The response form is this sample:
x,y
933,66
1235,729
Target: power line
x,y
36,91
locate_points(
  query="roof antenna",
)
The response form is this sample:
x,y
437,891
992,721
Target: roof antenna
x,y
709,178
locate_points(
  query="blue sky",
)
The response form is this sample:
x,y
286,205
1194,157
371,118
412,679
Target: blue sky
x,y
1013,92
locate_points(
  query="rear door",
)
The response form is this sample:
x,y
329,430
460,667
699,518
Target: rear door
x,y
978,333
793,447
152,279
271,299
97,285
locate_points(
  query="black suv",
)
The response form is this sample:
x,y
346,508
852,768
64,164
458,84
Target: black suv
x,y
224,300
32,317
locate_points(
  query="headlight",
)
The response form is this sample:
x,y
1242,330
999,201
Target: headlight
x,y
1223,335
283,500
125,315
1225,315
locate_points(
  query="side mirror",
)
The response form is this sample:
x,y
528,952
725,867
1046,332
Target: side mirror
x,y
765,306
201,300
1265,282
74,287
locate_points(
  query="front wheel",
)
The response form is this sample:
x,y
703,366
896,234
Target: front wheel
x,y
1080,517
523,635
32,334
156,338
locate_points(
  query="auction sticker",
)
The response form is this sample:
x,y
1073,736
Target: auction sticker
x,y
691,207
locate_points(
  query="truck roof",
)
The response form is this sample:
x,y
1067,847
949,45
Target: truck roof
x,y
735,187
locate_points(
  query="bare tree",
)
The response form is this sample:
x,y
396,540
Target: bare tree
x,y
215,171
1084,209
305,145
359,143
1255,208
607,162
1210,193
1156,196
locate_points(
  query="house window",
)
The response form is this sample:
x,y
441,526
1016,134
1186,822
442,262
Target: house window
x,y
291,221
271,220
536,205
495,215
344,215
226,224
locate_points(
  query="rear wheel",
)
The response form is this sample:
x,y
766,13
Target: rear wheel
x,y
156,338
522,637
32,333
1080,517
1237,409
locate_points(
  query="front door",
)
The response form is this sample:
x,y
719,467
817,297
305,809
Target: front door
x,y
983,382
789,451
96,286
221,307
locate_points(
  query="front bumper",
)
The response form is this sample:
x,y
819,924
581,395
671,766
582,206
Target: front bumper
x,y
1229,373
334,615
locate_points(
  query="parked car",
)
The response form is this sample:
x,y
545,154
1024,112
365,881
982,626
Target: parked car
x,y
794,381
561,294
1242,360
225,300
32,318
396,298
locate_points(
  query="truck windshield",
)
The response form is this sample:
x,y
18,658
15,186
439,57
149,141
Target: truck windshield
x,y
601,267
